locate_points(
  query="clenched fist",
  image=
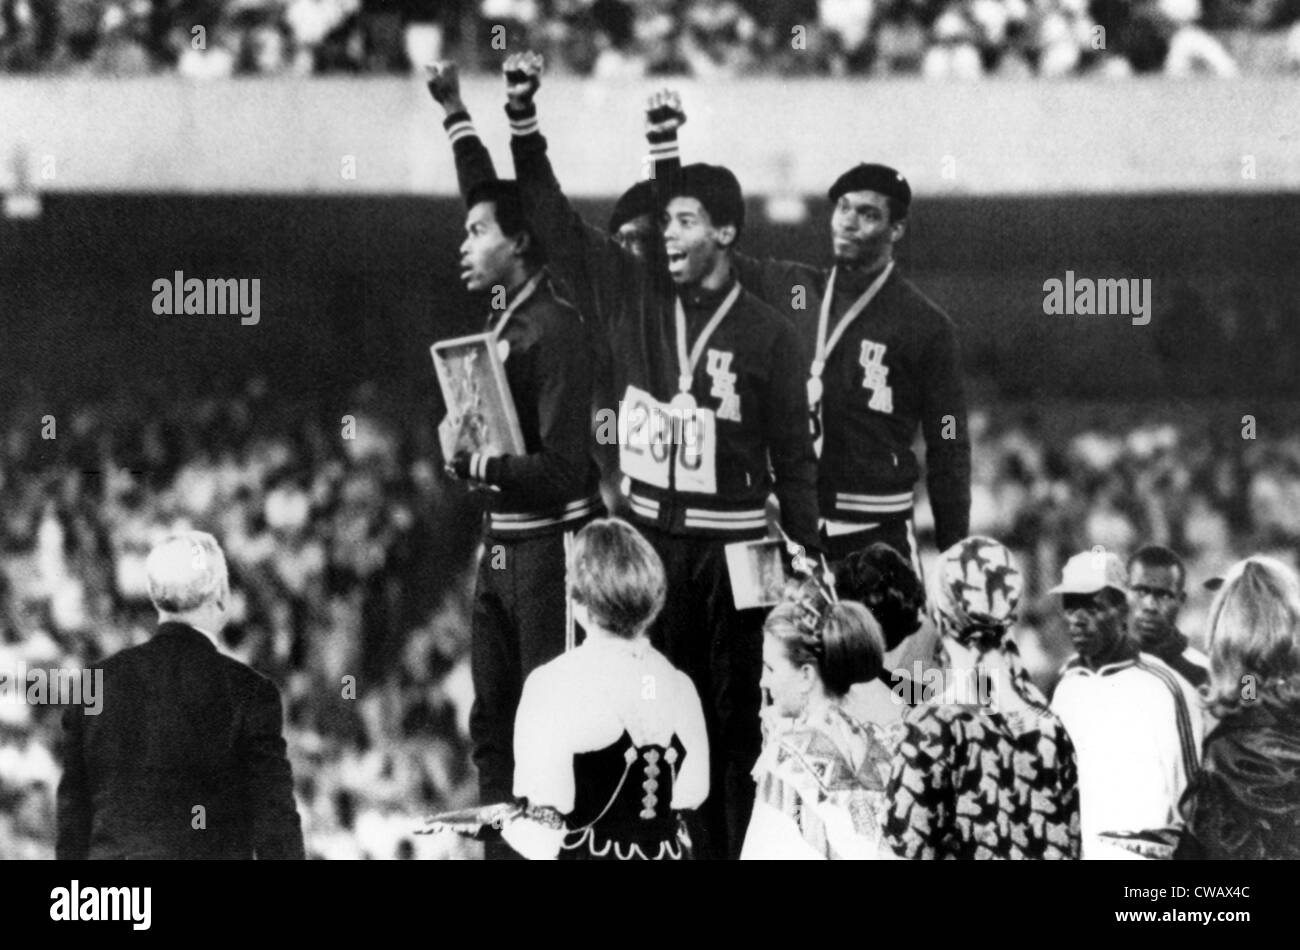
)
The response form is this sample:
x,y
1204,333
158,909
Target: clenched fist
x,y
444,85
523,72
663,113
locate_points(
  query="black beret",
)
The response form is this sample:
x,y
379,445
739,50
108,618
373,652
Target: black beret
x,y
879,178
714,187
636,201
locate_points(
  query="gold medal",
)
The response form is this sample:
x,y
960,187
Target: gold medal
x,y
824,346
683,403
814,391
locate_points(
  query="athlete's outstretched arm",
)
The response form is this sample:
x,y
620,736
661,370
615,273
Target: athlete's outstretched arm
x,y
473,161
663,117
771,279
581,255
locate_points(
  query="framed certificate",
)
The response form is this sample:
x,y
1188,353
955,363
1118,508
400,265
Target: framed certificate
x,y
757,571
481,414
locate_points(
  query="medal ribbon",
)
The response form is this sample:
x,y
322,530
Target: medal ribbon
x,y
526,292
686,364
825,346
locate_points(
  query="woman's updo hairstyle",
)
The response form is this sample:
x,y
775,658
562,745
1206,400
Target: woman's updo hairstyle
x,y
841,639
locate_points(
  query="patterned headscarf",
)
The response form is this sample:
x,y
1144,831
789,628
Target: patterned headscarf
x,y
978,591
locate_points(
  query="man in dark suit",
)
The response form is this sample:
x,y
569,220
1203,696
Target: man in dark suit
x,y
185,758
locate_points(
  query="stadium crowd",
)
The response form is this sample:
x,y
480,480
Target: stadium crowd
x,y
349,557
610,39
337,570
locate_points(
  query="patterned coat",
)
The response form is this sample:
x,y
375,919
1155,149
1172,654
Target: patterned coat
x,y
970,782
821,789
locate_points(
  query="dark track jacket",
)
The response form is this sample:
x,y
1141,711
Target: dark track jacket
x,y
555,485
751,375
897,367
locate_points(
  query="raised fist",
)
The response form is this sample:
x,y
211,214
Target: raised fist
x,y
663,113
523,72
461,466
444,84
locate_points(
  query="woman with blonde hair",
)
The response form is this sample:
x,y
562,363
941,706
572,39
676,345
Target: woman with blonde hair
x,y
821,775
1245,803
611,748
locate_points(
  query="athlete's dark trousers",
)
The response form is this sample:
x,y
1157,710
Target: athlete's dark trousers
x,y
897,533
721,649
520,622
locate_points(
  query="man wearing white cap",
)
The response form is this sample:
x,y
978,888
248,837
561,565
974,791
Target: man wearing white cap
x,y
1136,736
185,759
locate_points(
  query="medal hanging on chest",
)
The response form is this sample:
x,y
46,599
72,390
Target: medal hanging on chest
x,y
815,391
816,388
684,402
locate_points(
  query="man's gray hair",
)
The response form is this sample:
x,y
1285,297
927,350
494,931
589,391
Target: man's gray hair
x,y
186,571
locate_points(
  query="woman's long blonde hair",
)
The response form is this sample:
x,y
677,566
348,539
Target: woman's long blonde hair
x,y
1254,634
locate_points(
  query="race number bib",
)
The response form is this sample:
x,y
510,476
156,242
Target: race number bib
x,y
656,440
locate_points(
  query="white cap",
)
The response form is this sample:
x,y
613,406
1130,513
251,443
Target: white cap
x,y
1090,571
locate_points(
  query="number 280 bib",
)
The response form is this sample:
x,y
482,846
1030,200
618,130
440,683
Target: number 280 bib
x,y
651,433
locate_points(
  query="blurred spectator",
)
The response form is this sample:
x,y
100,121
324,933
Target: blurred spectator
x,y
423,33
718,38
209,53
1063,33
267,49
848,29
322,36
613,39
1191,48
123,36
954,54
900,41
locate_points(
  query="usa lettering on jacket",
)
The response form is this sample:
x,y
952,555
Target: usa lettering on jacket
x,y
875,376
724,384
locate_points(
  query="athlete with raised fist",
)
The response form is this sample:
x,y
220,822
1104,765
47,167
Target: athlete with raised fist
x,y
882,360
712,419
540,498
